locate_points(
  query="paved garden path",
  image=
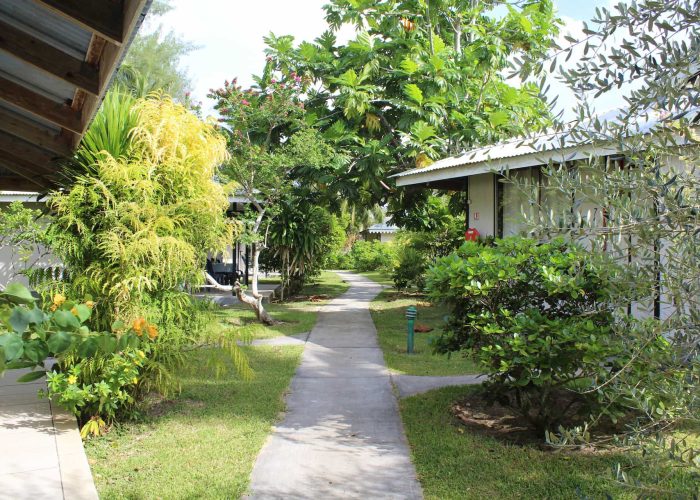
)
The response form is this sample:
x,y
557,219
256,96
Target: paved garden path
x,y
41,454
342,435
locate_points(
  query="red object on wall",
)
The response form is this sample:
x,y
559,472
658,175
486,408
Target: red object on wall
x,y
471,234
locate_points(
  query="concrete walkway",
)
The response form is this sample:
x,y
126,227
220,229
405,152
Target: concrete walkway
x,y
342,435
41,454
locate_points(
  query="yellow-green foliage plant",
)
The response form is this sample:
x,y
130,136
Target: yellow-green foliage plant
x,y
134,230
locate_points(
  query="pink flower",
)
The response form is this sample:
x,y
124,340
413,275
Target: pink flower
x,y
297,79
273,81
245,102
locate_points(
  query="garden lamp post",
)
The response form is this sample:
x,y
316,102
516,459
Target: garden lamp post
x,y
411,314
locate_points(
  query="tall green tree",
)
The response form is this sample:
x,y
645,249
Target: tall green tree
x,y
648,215
275,159
153,62
422,79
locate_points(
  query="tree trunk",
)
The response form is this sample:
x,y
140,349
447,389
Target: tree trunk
x,y
255,304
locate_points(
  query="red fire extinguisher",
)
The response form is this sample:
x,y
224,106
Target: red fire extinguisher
x,y
471,234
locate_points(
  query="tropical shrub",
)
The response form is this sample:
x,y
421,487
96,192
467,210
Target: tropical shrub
x,y
132,225
372,256
29,334
537,317
410,270
301,237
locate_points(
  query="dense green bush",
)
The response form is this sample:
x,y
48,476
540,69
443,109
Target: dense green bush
x,y
372,256
537,317
410,270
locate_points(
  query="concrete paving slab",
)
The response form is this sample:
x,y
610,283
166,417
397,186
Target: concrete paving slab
x,y
42,455
342,435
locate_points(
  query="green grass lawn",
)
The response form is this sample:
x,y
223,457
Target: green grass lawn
x,y
204,443
381,277
296,317
455,463
388,311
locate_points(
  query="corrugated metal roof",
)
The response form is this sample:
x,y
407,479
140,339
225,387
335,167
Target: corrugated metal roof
x,y
46,25
522,146
383,227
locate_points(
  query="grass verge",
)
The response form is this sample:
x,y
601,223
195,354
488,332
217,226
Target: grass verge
x,y
455,463
204,443
296,317
388,311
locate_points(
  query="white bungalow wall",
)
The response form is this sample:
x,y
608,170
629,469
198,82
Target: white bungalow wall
x,y
387,237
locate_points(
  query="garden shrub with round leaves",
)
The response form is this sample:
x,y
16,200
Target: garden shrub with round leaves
x,y
538,317
29,334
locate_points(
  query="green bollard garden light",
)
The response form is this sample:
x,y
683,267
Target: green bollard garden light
x,y
411,314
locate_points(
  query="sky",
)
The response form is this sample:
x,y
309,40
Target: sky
x,y
229,34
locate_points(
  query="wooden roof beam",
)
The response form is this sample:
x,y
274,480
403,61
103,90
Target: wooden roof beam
x,y
48,58
112,54
24,169
20,183
27,152
24,129
102,17
56,113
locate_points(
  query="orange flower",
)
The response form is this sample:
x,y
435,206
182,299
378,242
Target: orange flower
x,y
407,24
152,332
74,311
59,299
138,325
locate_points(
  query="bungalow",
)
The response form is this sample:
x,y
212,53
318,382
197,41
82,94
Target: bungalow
x,y
383,232
498,208
14,262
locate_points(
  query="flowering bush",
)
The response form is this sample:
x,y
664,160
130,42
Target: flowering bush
x,y
30,335
101,400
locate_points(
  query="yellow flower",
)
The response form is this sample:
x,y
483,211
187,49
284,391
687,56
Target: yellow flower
x,y
59,299
134,380
90,304
141,354
72,379
74,311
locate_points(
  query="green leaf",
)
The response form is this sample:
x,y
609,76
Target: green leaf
x,y
118,325
31,376
498,118
19,319
12,344
66,319
18,293
409,66
438,44
413,92
88,347
423,131
107,343
36,316
36,351
60,342
84,312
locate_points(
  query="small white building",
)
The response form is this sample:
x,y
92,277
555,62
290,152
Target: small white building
x,y
498,208
383,232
